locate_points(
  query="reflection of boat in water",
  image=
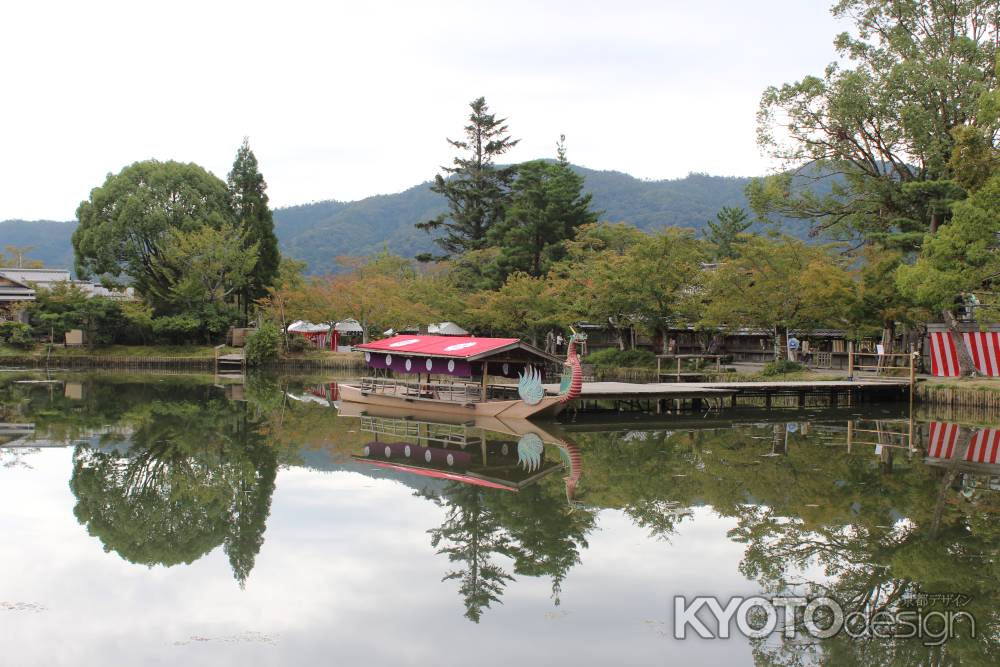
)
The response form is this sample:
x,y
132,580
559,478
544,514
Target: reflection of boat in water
x,y
445,366
485,451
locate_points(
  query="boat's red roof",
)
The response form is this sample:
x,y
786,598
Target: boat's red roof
x,y
451,347
439,474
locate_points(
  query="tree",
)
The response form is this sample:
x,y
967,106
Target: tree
x,y
16,257
662,278
547,206
248,198
880,133
963,256
782,283
374,291
65,306
587,282
203,270
124,224
523,305
724,232
475,188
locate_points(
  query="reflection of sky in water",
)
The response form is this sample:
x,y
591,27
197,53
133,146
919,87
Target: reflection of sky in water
x,y
346,576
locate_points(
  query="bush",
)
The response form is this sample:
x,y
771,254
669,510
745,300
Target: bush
x,y
621,358
17,334
780,367
297,343
176,328
262,344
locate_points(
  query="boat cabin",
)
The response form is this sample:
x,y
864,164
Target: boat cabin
x,y
463,364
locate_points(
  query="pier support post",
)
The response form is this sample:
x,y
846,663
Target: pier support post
x,y
802,399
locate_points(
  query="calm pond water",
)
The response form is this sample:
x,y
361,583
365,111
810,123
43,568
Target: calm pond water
x,y
164,520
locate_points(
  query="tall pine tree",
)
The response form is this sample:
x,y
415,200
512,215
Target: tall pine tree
x,y
547,206
476,189
248,198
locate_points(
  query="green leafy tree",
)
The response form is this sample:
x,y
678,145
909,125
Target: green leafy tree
x,y
124,225
203,270
662,278
880,132
476,189
782,283
523,305
587,283
65,306
724,232
547,206
248,197
963,256
262,344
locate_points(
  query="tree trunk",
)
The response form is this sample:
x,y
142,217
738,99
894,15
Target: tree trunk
x,y
780,338
965,365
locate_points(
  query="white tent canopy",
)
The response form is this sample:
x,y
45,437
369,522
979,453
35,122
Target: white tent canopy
x,y
301,326
348,326
446,329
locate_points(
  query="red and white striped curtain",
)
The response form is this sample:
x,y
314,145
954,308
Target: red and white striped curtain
x,y
984,348
983,448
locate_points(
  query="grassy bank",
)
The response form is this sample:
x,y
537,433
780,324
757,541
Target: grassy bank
x,y
164,356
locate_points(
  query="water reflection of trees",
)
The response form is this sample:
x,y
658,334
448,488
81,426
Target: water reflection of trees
x,y
195,474
490,535
819,520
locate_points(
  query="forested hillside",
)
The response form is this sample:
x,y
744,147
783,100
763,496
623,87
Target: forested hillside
x,y
321,231
48,240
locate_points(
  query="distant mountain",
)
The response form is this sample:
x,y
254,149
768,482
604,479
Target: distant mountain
x,y
49,240
319,232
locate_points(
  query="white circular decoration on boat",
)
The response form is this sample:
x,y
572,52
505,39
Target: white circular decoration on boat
x,y
388,360
459,346
450,460
406,450
407,364
427,456
505,449
368,356
368,450
429,364
404,343
506,369
451,365
388,452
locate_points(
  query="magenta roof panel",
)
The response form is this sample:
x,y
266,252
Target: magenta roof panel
x,y
450,347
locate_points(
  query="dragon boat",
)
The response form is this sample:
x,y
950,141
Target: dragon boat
x,y
465,375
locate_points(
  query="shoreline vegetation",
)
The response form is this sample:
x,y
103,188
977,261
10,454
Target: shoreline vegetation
x,y
977,393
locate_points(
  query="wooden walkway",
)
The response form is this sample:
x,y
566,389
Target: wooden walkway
x,y
691,394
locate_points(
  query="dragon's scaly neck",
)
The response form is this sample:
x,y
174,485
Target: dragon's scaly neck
x,y
576,373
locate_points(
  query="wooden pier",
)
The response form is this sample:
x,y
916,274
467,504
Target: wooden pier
x,y
662,397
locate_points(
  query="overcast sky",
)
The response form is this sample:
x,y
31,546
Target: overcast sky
x,y
345,100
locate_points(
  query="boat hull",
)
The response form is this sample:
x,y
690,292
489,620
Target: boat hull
x,y
549,406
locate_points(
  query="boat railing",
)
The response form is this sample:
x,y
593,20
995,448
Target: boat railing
x,y
422,431
452,392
